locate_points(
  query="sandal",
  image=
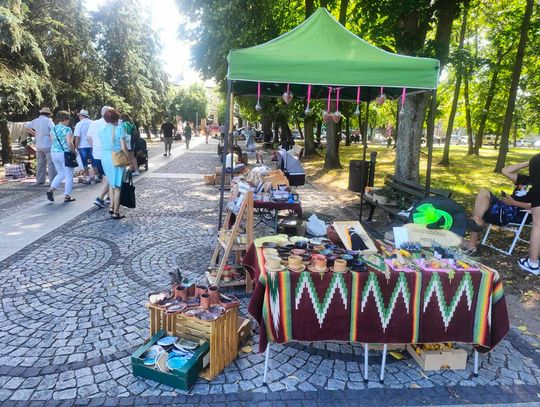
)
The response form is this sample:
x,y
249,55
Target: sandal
x,y
68,198
111,211
117,216
473,226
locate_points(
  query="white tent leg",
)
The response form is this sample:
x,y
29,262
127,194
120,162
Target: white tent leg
x,y
475,370
266,360
383,364
366,367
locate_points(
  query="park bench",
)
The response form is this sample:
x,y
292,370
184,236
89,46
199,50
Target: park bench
x,y
407,194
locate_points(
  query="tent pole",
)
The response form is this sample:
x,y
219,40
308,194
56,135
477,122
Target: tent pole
x,y
429,141
364,148
228,125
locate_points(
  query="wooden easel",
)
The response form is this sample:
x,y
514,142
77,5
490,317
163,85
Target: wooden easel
x,y
228,246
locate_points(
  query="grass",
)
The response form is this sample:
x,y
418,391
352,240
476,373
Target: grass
x,y
463,177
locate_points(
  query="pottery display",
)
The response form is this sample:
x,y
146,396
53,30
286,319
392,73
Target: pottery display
x,y
200,289
152,355
205,301
213,291
180,292
340,266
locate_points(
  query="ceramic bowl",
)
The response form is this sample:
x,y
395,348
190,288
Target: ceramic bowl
x,y
161,362
325,252
176,361
173,309
207,316
301,244
216,309
330,246
152,354
184,343
270,245
167,341
339,251
330,259
298,252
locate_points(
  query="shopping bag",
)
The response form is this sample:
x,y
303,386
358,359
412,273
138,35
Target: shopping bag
x,y
127,191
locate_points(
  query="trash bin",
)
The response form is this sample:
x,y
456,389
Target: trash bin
x,y
355,174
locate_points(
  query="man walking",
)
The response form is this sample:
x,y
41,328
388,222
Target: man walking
x,y
187,133
82,143
167,130
41,128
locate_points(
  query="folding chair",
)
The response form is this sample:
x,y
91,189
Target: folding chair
x,y
514,228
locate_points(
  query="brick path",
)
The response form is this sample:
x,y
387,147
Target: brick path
x,y
73,312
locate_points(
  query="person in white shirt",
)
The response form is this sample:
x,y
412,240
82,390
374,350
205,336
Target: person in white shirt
x,y
41,128
93,138
82,144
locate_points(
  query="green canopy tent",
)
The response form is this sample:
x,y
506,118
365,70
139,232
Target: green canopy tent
x,y
322,53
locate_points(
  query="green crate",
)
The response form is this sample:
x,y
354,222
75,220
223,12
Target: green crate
x,y
182,379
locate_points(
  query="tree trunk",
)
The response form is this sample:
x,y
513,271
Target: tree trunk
x,y
410,137
286,135
347,131
276,132
516,72
147,131
459,68
299,126
468,114
331,159
489,98
310,7
497,136
309,142
343,12
515,132
267,128
319,130
6,153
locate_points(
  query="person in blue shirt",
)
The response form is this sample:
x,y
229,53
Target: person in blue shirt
x,y
61,139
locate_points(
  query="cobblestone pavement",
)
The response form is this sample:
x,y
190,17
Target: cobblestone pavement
x,y
73,312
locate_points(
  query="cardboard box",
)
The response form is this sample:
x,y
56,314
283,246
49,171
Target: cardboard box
x,y
244,328
183,378
452,359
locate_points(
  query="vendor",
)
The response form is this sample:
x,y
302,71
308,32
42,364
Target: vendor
x,y
232,160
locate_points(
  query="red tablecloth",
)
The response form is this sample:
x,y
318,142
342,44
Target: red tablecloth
x,y
408,307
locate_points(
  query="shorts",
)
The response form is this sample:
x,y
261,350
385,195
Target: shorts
x,y
167,141
86,154
501,214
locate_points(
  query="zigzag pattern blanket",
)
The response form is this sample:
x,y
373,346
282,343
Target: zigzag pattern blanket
x,y
407,307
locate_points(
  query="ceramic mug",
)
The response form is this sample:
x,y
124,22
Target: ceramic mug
x,y
273,262
319,263
294,262
205,301
202,289
340,266
180,292
213,291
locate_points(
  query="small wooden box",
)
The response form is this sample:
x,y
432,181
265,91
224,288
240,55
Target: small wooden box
x,y
222,334
183,378
244,328
452,359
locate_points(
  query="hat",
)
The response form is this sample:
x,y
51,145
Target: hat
x,y
83,112
45,110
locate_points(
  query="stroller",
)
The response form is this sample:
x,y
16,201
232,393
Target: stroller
x,y
141,152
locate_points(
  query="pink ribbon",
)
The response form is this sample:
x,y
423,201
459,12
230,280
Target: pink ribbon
x,y
308,94
288,93
328,102
382,90
258,90
403,97
337,99
358,95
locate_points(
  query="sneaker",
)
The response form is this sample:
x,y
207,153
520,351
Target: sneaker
x,y
525,265
99,202
135,173
165,155
50,196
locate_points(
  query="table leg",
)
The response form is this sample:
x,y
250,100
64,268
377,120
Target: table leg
x,y
366,351
383,364
266,360
475,371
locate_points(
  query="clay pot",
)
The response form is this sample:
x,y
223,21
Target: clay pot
x,y
205,301
319,263
200,290
340,266
180,292
318,248
213,291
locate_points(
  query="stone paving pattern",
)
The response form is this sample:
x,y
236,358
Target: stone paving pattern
x,y
73,312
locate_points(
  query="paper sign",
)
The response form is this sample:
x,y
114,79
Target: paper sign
x,y
401,235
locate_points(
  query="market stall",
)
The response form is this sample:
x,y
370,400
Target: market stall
x,y
321,59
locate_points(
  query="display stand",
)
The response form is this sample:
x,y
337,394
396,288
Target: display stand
x,y
228,244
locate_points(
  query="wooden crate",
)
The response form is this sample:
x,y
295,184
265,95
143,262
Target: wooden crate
x,y
452,359
222,334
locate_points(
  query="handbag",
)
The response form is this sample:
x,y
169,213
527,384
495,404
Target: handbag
x,y
70,158
127,191
119,158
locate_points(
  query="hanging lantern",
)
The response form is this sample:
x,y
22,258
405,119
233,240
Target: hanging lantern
x,y
381,98
337,113
327,116
357,111
258,106
287,96
308,110
402,110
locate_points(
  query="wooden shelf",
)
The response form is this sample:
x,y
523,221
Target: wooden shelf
x,y
235,247
234,283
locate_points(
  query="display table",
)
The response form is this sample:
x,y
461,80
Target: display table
x,y
368,307
268,211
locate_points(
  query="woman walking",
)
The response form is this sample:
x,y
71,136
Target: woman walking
x,y
113,143
61,141
131,140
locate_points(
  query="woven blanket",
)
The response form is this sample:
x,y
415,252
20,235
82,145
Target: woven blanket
x,y
370,307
